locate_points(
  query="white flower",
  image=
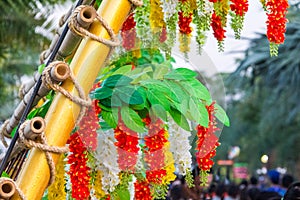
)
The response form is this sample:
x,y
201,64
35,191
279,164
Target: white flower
x,y
169,8
180,147
107,161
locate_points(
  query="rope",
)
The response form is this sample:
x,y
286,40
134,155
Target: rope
x,y
43,146
136,2
77,29
81,100
3,133
21,194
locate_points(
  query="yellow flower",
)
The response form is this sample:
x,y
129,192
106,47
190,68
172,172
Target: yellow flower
x,y
169,164
56,191
184,42
99,193
156,16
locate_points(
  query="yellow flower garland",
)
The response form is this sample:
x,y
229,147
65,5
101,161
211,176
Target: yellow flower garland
x,y
56,191
156,16
99,193
169,163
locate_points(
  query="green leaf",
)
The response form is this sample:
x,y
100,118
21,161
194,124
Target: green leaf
x,y
114,101
132,120
221,115
159,111
41,68
181,74
116,80
123,194
197,89
129,95
4,174
33,113
102,93
160,71
109,118
156,97
179,118
104,126
123,70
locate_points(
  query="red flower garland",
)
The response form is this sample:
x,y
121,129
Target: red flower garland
x,y
79,171
276,23
216,24
142,190
154,152
89,125
184,23
128,33
207,141
127,141
240,7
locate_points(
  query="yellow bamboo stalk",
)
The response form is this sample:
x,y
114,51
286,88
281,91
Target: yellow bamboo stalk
x,y
63,113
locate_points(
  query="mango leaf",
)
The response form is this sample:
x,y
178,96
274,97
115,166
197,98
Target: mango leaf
x,y
179,118
221,115
132,120
123,70
129,95
142,75
104,126
116,80
197,112
156,97
102,93
123,194
109,118
159,111
160,71
181,74
114,101
200,90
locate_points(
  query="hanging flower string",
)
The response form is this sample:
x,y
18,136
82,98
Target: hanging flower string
x,y
79,171
128,33
207,144
127,141
276,23
57,189
239,8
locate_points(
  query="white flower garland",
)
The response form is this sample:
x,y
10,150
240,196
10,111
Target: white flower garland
x,y
180,147
107,160
169,8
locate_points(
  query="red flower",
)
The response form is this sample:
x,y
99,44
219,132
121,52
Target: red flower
x,y
240,7
207,141
216,24
276,23
89,125
156,176
128,33
79,171
142,190
127,143
184,23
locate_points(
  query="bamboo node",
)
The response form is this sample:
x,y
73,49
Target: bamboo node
x,y
8,187
42,145
79,30
81,99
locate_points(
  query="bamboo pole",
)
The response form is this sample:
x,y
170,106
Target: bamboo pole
x,y
63,113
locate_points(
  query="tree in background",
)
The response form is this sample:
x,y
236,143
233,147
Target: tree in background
x,y
20,45
264,104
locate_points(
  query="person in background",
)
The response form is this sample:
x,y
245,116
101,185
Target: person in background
x,y
293,192
274,177
286,181
232,193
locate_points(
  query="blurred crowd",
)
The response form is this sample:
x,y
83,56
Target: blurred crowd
x,y
272,186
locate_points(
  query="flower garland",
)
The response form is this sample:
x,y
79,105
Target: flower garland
x,y
107,161
57,189
142,190
155,141
127,141
276,23
79,171
97,186
239,7
206,144
180,147
128,33
88,126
